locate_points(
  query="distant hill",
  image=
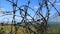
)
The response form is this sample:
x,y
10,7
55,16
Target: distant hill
x,y
54,24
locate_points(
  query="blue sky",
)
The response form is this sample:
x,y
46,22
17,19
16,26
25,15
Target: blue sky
x,y
6,6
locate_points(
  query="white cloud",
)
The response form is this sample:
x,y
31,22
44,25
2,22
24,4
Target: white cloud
x,y
57,19
55,3
36,7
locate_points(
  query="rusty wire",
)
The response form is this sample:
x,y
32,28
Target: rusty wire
x,y
39,27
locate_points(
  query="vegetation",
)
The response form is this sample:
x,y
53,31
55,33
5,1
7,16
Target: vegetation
x,y
6,30
1,31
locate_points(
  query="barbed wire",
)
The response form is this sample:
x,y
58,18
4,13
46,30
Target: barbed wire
x,y
40,27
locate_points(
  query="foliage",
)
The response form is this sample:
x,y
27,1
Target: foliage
x,y
1,31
